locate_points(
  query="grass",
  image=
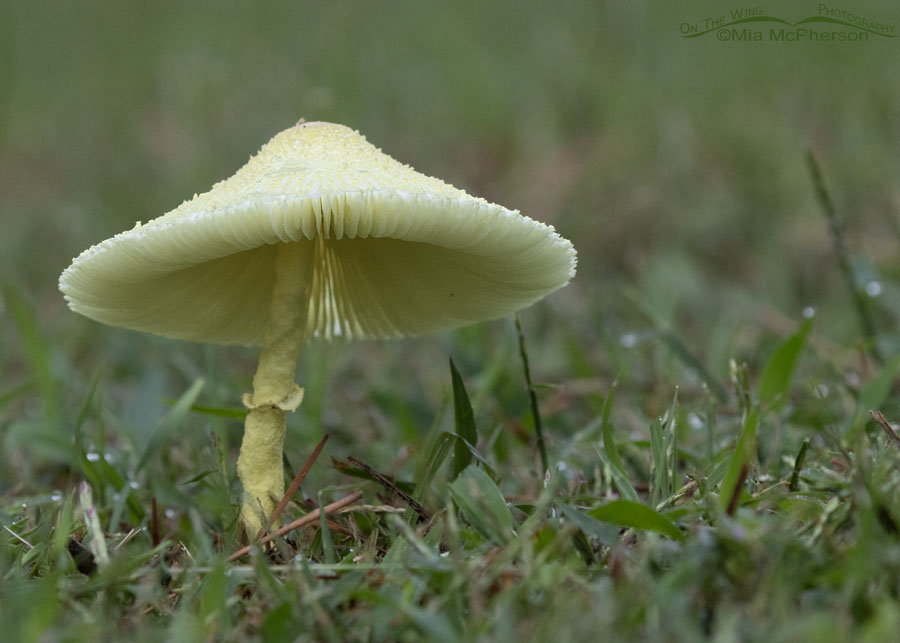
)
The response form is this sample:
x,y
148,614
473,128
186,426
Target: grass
x,y
700,394
733,521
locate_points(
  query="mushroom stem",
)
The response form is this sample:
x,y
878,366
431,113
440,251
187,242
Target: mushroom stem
x,y
275,393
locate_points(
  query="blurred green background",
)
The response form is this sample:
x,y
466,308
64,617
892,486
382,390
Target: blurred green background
x,y
676,166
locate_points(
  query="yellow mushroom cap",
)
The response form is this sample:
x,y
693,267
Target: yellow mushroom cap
x,y
393,252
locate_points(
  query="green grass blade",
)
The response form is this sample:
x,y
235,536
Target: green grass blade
x,y
465,422
327,547
838,238
609,441
620,479
775,381
798,466
876,391
170,422
659,470
85,411
610,453
607,535
484,507
16,391
741,459
63,527
37,351
675,343
439,452
532,398
213,597
217,411
637,516
672,454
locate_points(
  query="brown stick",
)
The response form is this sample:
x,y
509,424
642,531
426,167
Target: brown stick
x,y
390,486
312,516
298,480
882,421
333,526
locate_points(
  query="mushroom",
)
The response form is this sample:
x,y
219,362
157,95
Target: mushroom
x,y
320,235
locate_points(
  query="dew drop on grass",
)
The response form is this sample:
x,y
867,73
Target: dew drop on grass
x,y
809,312
628,340
873,289
109,457
695,421
93,456
134,484
56,496
170,513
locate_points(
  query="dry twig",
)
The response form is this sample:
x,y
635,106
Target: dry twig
x,y
298,480
300,522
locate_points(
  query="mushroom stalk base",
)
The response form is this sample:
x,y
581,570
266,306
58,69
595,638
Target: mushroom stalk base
x,y
275,393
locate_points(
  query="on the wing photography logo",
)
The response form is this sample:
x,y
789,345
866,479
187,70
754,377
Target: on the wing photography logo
x,y
829,24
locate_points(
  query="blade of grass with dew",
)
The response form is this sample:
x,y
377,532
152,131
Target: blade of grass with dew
x,y
675,344
836,228
464,419
94,466
637,516
775,381
484,507
88,468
